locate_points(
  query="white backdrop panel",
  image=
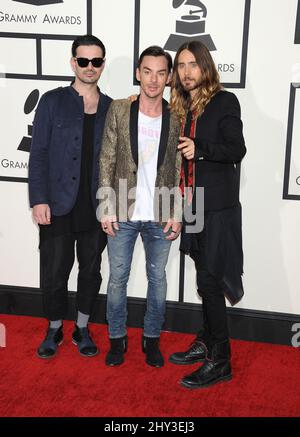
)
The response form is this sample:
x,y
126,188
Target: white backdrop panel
x,y
19,55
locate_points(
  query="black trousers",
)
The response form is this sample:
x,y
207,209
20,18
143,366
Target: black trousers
x,y
57,256
210,289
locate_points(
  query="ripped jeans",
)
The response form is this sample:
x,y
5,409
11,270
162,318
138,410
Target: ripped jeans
x,y
120,251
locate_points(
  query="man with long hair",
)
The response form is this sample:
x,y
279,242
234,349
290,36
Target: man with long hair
x,y
212,146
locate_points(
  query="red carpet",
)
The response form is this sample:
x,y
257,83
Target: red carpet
x,y
266,379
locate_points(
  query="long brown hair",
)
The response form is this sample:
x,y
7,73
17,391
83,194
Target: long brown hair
x,y
180,101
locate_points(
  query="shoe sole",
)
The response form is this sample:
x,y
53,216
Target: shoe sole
x,y
200,360
51,356
114,365
117,364
222,379
154,365
84,355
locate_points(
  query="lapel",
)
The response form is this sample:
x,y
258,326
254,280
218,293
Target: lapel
x,y
164,135
102,108
103,105
134,118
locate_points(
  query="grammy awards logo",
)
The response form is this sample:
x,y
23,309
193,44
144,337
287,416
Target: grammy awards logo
x,y
39,2
210,22
191,26
29,106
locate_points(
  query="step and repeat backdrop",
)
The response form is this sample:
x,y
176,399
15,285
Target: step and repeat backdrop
x,y
256,47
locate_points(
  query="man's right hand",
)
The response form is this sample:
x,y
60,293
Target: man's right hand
x,y
41,214
109,225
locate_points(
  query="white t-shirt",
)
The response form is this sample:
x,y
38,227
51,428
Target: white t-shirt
x,y
149,130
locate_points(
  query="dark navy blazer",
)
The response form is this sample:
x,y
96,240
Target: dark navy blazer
x,y
55,155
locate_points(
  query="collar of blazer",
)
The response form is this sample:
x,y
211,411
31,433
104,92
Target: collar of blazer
x,y
103,104
164,135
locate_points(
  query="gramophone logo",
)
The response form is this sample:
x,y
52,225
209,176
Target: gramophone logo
x,y
16,144
222,26
191,26
29,106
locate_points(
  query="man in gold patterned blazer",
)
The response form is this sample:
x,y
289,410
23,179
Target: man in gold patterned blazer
x,y
139,194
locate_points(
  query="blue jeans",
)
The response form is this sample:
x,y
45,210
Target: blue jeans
x,y
120,251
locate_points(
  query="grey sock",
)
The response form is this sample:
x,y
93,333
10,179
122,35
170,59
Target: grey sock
x,y
55,324
82,320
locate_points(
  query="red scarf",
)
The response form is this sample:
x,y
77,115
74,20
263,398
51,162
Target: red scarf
x,y
188,179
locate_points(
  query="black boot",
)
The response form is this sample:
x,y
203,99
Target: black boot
x,y
115,356
196,353
216,368
53,339
150,346
86,347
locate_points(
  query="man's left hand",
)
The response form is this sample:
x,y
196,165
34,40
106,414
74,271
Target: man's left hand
x,y
176,229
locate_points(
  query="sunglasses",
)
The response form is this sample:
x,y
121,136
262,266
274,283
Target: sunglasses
x,y
84,62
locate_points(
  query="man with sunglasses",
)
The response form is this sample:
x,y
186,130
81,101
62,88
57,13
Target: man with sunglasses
x,y
63,180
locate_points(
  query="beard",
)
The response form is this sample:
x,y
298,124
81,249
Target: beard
x,y
192,84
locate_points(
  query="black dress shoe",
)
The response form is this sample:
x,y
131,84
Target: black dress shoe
x,y
86,347
115,356
53,339
150,346
196,353
216,368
